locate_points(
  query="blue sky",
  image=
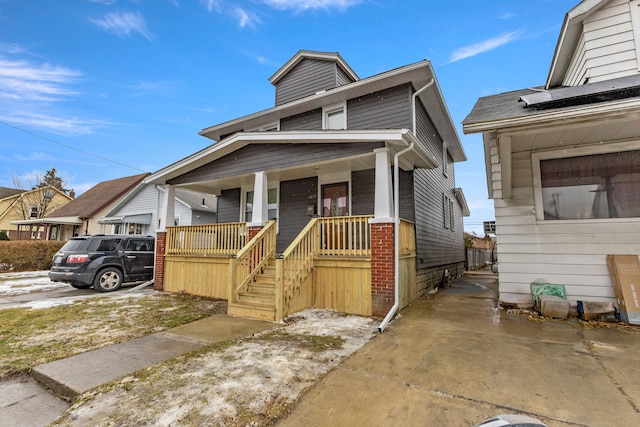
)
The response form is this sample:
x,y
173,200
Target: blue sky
x,y
101,89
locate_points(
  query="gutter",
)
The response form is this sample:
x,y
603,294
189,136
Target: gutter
x,y
396,214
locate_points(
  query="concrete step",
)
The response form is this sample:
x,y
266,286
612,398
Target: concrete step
x,y
266,312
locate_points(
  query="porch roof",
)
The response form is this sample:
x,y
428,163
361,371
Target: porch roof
x,y
58,220
397,139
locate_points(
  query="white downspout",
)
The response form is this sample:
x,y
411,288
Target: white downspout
x,y
396,216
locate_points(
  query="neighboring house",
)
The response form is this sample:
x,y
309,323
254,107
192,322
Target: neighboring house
x,y
321,165
563,160
480,251
16,205
137,212
80,216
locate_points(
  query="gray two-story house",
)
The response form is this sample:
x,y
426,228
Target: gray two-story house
x,y
341,196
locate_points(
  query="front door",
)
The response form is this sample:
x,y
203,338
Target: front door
x,y
335,199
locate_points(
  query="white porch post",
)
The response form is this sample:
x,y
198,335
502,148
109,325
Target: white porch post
x,y
383,207
167,213
260,214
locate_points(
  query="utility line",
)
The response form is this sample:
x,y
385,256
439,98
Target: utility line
x,y
70,147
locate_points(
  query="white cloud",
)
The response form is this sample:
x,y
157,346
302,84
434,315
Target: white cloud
x,y
246,18
50,122
124,24
484,46
22,80
107,2
507,15
212,5
311,4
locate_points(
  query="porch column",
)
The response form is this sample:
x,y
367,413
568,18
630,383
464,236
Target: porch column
x,y
260,213
167,215
383,207
382,267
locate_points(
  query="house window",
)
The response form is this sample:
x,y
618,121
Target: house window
x,y
47,195
591,186
34,212
448,213
334,117
272,205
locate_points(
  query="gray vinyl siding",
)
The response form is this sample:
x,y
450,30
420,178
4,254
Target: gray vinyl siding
x,y
203,217
229,205
294,197
436,244
342,78
310,120
362,192
267,157
306,78
386,109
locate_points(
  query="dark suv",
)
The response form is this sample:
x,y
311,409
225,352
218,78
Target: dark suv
x,y
104,261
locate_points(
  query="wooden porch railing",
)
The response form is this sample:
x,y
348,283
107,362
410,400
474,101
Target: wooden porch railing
x,y
335,236
250,260
207,239
294,266
344,236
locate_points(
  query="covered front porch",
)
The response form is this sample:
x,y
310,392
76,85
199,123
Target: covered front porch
x,y
339,263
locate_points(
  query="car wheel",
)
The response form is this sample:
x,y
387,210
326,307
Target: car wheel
x,y
80,285
108,280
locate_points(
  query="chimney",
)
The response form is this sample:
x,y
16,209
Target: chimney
x,y
72,194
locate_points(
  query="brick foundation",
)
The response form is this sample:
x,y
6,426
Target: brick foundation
x,y
382,268
158,277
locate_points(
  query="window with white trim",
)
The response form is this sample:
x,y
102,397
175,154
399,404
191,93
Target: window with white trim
x,y
272,205
588,185
334,117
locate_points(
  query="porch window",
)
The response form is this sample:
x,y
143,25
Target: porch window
x,y
594,186
272,205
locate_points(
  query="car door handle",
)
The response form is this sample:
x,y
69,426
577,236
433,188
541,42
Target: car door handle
x,y
131,257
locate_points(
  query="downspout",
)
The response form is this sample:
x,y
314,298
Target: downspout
x,y
396,215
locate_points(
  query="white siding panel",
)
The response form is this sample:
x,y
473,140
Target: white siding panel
x,y
606,49
571,253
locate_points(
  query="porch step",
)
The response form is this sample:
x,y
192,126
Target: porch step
x,y
266,312
266,298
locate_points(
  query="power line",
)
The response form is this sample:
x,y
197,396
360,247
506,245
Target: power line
x,y
70,147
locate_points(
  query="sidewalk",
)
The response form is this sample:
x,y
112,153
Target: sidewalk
x,y
455,359
24,403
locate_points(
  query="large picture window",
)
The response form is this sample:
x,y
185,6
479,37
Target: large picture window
x,y
593,186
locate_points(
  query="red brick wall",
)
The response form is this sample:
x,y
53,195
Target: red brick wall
x,y
252,231
382,268
158,278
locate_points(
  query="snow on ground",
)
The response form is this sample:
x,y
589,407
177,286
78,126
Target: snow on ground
x,y
27,282
251,382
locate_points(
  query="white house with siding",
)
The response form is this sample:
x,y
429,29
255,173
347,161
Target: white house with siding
x,y
137,212
563,160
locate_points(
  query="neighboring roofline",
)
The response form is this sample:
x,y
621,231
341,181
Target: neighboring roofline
x,y
18,196
418,74
599,111
392,136
462,200
568,38
302,54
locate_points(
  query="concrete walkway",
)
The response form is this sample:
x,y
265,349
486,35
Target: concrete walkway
x,y
455,359
24,403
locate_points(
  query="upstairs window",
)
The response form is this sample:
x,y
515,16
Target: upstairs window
x,y
334,117
34,212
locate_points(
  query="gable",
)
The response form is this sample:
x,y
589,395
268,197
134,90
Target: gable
x,y
309,77
597,43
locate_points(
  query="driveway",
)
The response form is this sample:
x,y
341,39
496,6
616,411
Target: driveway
x,y
456,359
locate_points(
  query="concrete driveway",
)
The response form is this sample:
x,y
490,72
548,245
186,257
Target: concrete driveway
x,y
456,359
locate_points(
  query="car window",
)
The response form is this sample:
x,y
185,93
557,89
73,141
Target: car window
x,y
140,245
73,245
104,245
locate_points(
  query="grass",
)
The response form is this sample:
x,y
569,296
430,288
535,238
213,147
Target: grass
x,y
32,337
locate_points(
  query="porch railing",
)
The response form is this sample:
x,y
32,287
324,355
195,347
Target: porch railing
x,y
251,259
344,236
294,266
207,239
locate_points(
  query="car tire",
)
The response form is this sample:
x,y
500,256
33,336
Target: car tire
x,y
80,285
108,280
